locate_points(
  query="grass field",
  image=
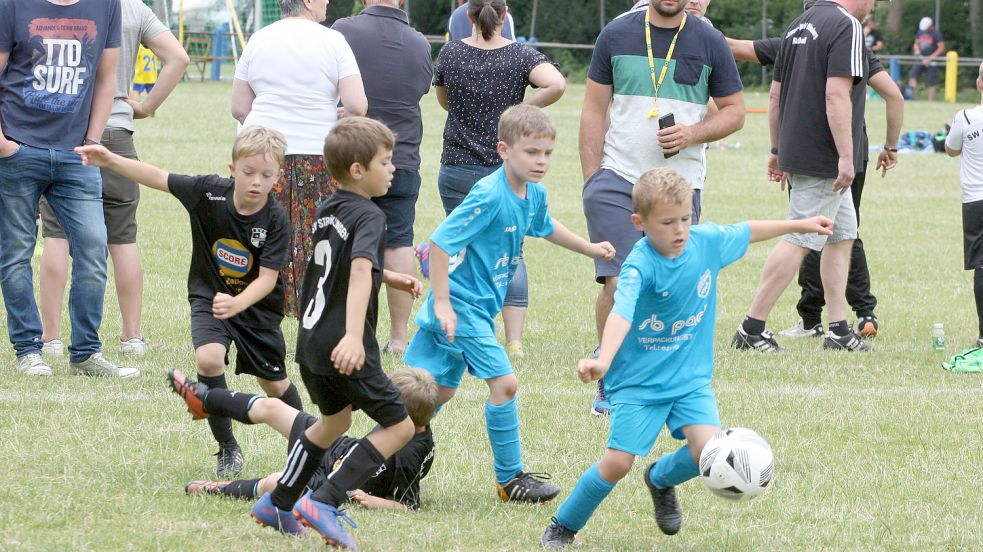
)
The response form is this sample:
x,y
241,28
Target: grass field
x,y
873,452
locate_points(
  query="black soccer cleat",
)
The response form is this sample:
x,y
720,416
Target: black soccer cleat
x,y
528,487
668,514
229,460
191,391
849,342
557,536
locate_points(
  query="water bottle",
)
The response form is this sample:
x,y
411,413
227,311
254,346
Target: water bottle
x,y
938,337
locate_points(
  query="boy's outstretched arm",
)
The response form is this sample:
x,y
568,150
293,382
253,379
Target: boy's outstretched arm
x,y
615,330
369,502
440,286
137,171
762,230
349,354
563,237
225,306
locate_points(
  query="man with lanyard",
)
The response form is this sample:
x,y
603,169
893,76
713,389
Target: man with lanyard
x,y
646,65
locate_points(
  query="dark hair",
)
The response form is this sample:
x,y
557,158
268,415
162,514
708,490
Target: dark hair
x,y
487,15
354,140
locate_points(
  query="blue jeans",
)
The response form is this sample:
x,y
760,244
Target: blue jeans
x,y
74,193
454,182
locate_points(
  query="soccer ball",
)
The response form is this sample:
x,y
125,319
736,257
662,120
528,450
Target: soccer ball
x,y
737,464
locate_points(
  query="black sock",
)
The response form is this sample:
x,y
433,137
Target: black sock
x,y
225,404
753,326
354,469
292,397
242,488
978,291
221,427
840,328
302,462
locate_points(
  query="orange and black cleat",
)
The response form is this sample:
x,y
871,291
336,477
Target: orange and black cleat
x,y
191,391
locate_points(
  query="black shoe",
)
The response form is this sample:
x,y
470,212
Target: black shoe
x,y
229,461
668,514
763,342
557,536
848,342
528,487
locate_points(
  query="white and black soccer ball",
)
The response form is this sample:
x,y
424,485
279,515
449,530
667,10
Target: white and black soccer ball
x,y
737,464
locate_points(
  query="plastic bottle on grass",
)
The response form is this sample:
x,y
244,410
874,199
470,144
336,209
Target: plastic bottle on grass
x,y
938,337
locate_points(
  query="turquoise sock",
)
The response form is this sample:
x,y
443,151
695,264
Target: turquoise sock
x,y
674,468
502,421
583,500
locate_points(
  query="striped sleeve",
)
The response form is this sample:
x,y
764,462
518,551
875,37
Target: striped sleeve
x,y
846,49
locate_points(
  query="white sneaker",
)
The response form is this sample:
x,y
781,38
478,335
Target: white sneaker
x,y
98,365
799,330
53,348
33,365
136,346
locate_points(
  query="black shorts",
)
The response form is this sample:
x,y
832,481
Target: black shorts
x,y
931,73
399,206
260,352
973,235
373,393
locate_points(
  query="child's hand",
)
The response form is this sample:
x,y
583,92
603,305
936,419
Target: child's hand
x,y
224,306
590,369
364,499
403,282
95,155
348,355
602,250
445,314
820,225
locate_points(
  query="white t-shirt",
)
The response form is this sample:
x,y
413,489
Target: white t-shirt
x,y
966,134
293,66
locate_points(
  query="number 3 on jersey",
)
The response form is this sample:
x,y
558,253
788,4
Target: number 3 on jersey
x,y
322,258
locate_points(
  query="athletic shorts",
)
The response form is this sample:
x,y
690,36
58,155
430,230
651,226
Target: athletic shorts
x,y
373,393
973,235
483,357
399,206
635,427
260,352
811,196
120,196
608,209
931,73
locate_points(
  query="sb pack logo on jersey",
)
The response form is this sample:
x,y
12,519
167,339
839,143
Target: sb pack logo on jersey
x,y
232,258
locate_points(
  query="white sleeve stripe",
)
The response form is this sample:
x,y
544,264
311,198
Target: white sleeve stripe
x,y
856,45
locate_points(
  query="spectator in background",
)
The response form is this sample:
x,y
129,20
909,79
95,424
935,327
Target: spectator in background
x,y
120,195
698,8
929,45
389,50
873,38
460,26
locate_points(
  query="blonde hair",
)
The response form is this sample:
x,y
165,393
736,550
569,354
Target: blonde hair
x,y
355,140
662,185
257,140
419,393
523,120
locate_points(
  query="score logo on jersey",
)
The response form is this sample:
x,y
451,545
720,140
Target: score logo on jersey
x,y
232,257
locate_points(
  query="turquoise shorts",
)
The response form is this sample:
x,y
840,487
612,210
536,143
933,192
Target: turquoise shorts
x,y
483,357
635,427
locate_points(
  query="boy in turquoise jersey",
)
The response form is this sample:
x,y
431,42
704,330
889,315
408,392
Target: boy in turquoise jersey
x,y
473,256
656,353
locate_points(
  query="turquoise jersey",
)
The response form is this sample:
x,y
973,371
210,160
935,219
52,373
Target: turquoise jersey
x,y
483,236
672,307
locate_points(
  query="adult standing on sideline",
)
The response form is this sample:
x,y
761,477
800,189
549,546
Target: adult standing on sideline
x,y
873,38
476,80
290,77
120,195
929,44
820,77
648,64
389,50
460,25
57,77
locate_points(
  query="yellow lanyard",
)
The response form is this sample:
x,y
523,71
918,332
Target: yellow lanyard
x,y
657,84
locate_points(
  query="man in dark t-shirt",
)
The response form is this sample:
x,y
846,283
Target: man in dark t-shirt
x,y
929,45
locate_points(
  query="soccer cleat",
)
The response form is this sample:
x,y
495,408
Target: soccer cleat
x,y
32,364
514,349
422,253
98,365
135,346
867,326
53,348
201,487
324,518
600,406
268,515
229,460
192,392
799,330
763,343
528,487
668,514
557,536
848,342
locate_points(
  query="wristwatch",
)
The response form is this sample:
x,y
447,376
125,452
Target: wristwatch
x,y
774,151
90,142
892,150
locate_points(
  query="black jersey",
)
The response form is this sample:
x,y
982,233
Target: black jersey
x,y
348,226
228,248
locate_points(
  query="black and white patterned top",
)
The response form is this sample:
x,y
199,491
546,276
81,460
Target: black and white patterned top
x,y
480,85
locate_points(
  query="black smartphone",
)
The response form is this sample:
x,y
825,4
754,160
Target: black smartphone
x,y
667,121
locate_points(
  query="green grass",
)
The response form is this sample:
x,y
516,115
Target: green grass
x,y
873,452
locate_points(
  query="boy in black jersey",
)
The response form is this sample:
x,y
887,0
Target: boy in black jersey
x,y
239,243
395,485
336,346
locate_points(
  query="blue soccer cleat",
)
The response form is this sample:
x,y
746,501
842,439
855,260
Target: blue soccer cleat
x,y
268,515
324,518
600,406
